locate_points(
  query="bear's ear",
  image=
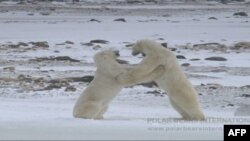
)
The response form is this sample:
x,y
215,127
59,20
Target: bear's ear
x,y
117,53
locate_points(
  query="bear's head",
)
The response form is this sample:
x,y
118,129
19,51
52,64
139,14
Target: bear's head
x,y
106,56
145,46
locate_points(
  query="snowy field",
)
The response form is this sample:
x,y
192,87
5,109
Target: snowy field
x,y
46,61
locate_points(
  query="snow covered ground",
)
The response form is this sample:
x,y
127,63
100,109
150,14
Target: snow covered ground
x,y
38,90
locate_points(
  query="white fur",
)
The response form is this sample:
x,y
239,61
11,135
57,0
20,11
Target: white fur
x,y
94,101
182,95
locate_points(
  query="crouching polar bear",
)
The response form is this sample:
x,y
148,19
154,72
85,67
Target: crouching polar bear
x,y
94,101
182,95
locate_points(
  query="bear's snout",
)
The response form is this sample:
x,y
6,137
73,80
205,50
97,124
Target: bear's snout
x,y
134,53
117,53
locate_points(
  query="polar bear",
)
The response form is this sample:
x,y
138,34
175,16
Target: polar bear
x,y
182,95
94,101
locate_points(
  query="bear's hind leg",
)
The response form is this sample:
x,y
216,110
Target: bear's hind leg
x,y
196,114
88,110
100,114
188,112
178,109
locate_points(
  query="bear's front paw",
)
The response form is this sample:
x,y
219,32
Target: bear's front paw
x,y
161,68
122,78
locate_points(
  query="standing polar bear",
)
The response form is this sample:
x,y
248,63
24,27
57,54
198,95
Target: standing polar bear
x,y
94,101
181,93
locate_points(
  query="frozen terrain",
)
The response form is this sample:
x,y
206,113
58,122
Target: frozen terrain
x,y
46,61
